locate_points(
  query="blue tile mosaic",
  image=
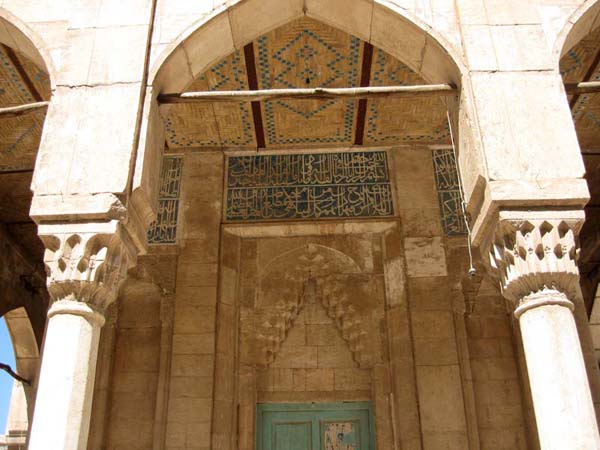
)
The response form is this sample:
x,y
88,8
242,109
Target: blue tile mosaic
x,y
305,45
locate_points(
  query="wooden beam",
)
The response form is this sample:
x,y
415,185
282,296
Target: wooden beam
x,y
365,80
252,74
15,111
429,90
585,87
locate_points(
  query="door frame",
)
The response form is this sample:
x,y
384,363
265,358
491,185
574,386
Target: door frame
x,y
311,406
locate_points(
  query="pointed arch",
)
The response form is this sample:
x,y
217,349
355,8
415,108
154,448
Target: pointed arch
x,y
19,36
584,20
380,23
27,360
324,274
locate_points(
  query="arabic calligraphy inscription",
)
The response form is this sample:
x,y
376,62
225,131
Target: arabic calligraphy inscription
x,y
164,229
308,186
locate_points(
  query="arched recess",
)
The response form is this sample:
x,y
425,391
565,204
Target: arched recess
x,y
576,53
229,28
16,34
313,274
382,24
580,23
27,77
308,296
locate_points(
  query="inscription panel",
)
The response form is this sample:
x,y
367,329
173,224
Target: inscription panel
x,y
448,188
164,229
308,186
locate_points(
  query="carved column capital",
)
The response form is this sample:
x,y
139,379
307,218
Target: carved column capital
x,y
86,262
529,251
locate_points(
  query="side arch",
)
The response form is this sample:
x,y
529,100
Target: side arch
x,y
581,22
18,35
27,360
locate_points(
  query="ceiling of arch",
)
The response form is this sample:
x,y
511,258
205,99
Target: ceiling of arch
x,y
306,54
21,81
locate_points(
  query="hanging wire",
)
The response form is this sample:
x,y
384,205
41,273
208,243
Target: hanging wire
x,y
13,374
463,203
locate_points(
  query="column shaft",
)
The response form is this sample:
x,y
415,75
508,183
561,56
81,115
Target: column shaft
x,y
62,413
560,390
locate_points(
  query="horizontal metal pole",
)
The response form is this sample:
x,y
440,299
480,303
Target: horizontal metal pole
x,y
585,87
15,111
428,90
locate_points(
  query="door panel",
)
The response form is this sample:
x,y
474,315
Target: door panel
x,y
292,436
315,426
340,435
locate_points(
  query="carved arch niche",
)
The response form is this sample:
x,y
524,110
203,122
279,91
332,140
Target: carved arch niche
x,y
323,289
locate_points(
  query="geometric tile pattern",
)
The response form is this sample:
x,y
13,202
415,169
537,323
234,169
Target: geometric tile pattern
x,y
398,120
308,186
307,54
216,124
20,136
164,229
448,190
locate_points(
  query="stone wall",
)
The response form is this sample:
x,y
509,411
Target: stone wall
x,y
328,312
313,362
135,370
496,380
192,367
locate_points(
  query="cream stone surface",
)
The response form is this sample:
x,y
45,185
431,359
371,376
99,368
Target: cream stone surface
x,y
424,257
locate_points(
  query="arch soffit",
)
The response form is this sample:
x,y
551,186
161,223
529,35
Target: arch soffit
x,y
378,22
584,20
16,34
24,344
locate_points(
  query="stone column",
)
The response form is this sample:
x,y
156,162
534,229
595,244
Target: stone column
x,y
86,264
64,400
534,254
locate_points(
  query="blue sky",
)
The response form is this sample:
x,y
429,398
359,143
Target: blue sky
x,y
6,382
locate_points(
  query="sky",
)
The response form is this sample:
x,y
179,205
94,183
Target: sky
x,y
6,382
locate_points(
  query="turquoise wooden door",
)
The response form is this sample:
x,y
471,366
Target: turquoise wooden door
x,y
315,426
